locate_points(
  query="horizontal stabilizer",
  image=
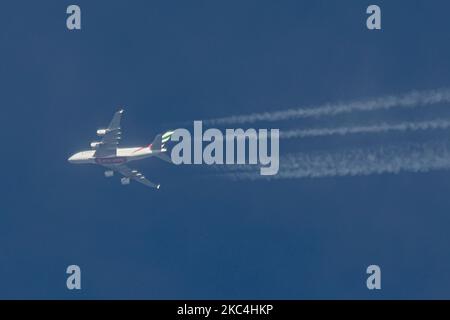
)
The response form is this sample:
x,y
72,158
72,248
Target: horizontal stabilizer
x,y
164,156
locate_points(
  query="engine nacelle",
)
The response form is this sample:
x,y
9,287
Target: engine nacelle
x,y
109,173
125,181
95,144
101,132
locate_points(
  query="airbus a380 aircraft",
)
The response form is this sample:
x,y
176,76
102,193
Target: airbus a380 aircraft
x,y
107,154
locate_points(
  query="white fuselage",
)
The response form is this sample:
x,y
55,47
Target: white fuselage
x,y
122,155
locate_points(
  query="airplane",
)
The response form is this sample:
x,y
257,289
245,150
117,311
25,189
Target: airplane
x,y
107,154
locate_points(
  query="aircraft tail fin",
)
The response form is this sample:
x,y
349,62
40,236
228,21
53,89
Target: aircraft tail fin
x,y
160,140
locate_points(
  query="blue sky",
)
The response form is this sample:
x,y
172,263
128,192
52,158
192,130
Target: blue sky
x,y
200,236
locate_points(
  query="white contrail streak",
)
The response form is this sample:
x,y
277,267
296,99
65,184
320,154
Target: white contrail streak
x,y
358,162
373,128
411,99
376,128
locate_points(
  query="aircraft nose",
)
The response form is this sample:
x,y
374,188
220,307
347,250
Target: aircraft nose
x,y
70,159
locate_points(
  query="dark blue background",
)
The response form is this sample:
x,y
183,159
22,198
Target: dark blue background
x,y
167,62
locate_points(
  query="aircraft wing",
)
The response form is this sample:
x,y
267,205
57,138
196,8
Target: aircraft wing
x,y
111,138
132,174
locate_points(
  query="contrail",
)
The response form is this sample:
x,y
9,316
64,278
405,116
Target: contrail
x,y
376,128
410,157
411,99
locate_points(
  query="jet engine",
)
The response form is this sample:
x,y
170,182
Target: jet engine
x,y
95,144
109,173
125,181
101,132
